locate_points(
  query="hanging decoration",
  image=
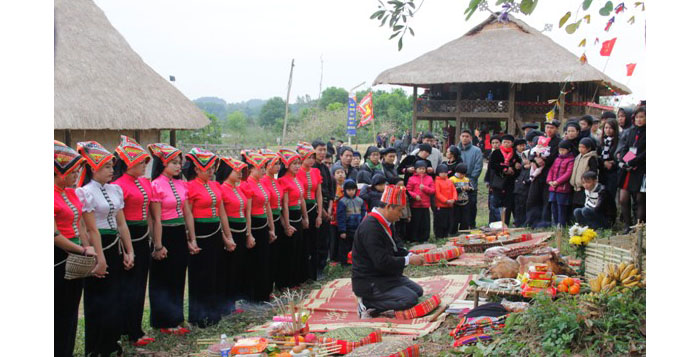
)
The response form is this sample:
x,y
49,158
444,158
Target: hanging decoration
x,y
630,69
582,43
607,47
610,22
587,18
620,8
631,20
583,59
597,40
366,110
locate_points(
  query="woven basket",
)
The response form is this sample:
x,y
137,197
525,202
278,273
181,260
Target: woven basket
x,y
615,250
79,266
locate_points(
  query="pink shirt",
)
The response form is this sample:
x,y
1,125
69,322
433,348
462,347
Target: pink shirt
x,y
293,188
255,190
234,200
164,192
204,198
413,188
66,211
273,188
137,195
309,180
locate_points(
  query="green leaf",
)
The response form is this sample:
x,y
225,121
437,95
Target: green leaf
x,y
528,6
384,21
394,35
571,28
411,31
397,27
473,5
376,14
607,9
564,19
412,5
586,4
400,43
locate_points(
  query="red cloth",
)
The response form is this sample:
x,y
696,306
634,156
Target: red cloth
x,y
272,186
607,47
420,310
444,190
309,179
67,220
630,68
507,154
203,204
560,172
292,187
134,207
414,190
487,141
234,200
255,190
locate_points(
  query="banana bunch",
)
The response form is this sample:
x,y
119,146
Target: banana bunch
x,y
624,275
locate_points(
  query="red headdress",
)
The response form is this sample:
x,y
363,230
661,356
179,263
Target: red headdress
x,y
305,150
254,158
394,195
65,159
203,159
270,155
95,155
236,165
131,152
164,152
288,156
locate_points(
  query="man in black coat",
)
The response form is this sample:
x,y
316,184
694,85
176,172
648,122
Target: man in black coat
x,y
328,190
378,260
538,209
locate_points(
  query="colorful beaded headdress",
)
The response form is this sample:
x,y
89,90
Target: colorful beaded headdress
x,y
131,152
65,159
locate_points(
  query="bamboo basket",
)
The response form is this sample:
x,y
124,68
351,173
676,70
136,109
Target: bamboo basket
x,y
616,249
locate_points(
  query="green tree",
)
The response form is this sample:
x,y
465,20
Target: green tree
x,y
236,121
210,134
272,113
332,95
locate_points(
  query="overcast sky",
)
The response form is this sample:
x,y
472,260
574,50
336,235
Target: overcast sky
x,y
240,50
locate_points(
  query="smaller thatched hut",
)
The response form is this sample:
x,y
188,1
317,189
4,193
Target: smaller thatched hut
x,y
500,71
103,89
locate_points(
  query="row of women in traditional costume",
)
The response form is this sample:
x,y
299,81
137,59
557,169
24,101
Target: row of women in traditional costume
x,y
238,228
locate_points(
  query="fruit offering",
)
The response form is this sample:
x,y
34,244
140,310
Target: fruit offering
x,y
624,275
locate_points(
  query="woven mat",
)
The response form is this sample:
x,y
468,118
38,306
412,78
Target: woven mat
x,y
479,260
334,306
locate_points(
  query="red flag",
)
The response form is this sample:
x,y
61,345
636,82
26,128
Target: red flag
x,y
630,68
607,47
366,110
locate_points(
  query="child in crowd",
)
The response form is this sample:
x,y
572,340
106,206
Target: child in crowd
x,y
599,209
351,211
454,157
402,224
542,151
494,212
463,186
339,178
445,197
558,181
587,160
356,158
522,184
421,188
372,194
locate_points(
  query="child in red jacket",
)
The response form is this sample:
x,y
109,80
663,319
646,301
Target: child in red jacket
x,y
445,197
558,181
420,188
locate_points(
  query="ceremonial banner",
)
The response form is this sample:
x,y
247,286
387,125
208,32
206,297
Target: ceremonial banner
x,y
352,124
607,47
366,110
630,68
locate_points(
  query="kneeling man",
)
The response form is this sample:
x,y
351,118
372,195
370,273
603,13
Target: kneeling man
x,y
378,261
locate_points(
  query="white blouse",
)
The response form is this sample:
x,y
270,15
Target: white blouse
x,y
104,200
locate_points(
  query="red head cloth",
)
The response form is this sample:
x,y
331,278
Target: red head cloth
x,y
270,155
236,165
95,155
203,159
65,159
394,195
131,152
288,156
305,150
164,152
254,158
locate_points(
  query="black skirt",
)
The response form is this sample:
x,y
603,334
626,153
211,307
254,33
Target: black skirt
x,y
238,281
310,238
297,258
204,304
258,262
103,305
134,283
66,299
166,288
275,252
419,227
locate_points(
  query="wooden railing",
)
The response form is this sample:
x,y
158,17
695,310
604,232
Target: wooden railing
x,y
501,106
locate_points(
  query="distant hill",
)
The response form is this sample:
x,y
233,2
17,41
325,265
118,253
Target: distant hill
x,y
220,108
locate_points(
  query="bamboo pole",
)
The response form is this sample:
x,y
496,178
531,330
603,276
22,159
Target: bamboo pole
x,y
286,105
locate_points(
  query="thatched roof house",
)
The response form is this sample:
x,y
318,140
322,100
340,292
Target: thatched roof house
x,y
513,61
103,89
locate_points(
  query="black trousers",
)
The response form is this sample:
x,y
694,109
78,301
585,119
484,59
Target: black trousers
x,y
310,242
401,297
103,305
471,210
297,269
520,209
503,199
419,227
166,287
204,307
442,221
345,245
226,271
134,283
283,259
238,283
322,244
333,244
258,263
66,300
460,218
536,202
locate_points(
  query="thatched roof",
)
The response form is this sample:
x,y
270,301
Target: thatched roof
x,y
497,52
101,83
